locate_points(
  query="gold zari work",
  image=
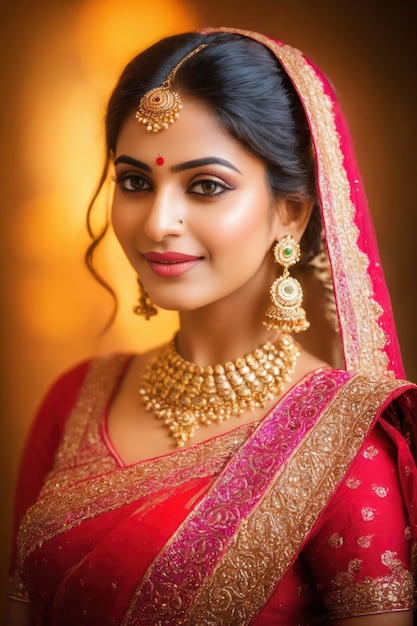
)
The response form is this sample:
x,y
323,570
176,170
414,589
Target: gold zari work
x,y
268,540
371,595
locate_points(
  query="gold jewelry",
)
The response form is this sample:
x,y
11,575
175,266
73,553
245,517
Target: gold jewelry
x,y
145,306
160,107
285,314
186,396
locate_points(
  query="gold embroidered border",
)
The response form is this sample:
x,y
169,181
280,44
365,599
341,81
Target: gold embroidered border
x,y
372,596
363,339
267,542
81,440
77,490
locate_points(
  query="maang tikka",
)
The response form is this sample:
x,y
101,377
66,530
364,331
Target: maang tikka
x,y
285,314
145,307
160,107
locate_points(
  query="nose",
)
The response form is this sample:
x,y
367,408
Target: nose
x,y
164,216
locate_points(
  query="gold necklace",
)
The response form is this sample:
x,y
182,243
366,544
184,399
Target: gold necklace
x,y
185,395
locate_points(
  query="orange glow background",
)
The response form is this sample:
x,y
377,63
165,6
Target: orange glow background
x,y
59,61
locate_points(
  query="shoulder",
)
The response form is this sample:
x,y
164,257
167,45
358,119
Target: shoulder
x,y
63,393
69,382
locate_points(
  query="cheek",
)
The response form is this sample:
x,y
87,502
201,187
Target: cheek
x,y
123,220
250,219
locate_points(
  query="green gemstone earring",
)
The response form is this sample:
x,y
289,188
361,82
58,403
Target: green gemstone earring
x,y
286,314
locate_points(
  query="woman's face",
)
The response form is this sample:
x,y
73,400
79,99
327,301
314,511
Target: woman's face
x,y
193,211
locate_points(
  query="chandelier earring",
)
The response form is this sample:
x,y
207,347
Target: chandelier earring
x,y
286,314
145,307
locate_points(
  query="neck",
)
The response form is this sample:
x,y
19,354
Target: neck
x,y
224,331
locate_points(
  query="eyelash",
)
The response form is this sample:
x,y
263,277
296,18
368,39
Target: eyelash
x,y
122,180
220,185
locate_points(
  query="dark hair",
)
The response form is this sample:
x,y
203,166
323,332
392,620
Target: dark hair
x,y
244,84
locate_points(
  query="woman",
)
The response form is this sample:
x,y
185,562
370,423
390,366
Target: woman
x,y
290,497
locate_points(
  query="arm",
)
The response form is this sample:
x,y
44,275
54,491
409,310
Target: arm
x,y
360,551
17,614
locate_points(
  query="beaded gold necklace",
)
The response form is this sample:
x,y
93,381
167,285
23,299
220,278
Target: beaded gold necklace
x,y
185,395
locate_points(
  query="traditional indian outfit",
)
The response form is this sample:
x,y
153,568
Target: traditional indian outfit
x,y
304,517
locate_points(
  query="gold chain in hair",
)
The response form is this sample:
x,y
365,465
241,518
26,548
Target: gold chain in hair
x,y
161,106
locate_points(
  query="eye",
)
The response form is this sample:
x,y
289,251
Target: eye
x,y
209,187
132,182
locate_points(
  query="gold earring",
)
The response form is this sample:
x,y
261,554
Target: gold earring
x,y
285,313
145,306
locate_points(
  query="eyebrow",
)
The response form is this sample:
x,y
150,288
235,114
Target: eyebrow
x,y
187,165
130,161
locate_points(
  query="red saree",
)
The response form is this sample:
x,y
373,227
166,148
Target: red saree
x,y
246,528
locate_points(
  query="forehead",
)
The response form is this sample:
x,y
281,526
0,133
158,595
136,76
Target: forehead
x,y
195,134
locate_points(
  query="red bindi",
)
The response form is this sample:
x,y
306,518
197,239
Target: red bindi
x,y
160,160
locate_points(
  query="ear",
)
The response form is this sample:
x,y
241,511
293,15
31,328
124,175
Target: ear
x,y
292,217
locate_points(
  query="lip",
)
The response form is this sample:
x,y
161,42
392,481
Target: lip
x,y
170,264
169,257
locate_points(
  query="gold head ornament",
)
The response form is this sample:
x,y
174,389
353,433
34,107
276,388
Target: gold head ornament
x,y
160,107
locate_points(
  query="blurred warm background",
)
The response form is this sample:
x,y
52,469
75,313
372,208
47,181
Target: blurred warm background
x,y
59,60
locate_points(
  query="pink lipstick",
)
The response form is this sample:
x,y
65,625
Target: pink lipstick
x,y
170,264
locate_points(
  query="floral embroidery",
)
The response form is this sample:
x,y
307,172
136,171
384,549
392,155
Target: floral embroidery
x,y
368,513
388,559
335,541
355,565
408,533
352,596
365,541
370,452
380,491
353,483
